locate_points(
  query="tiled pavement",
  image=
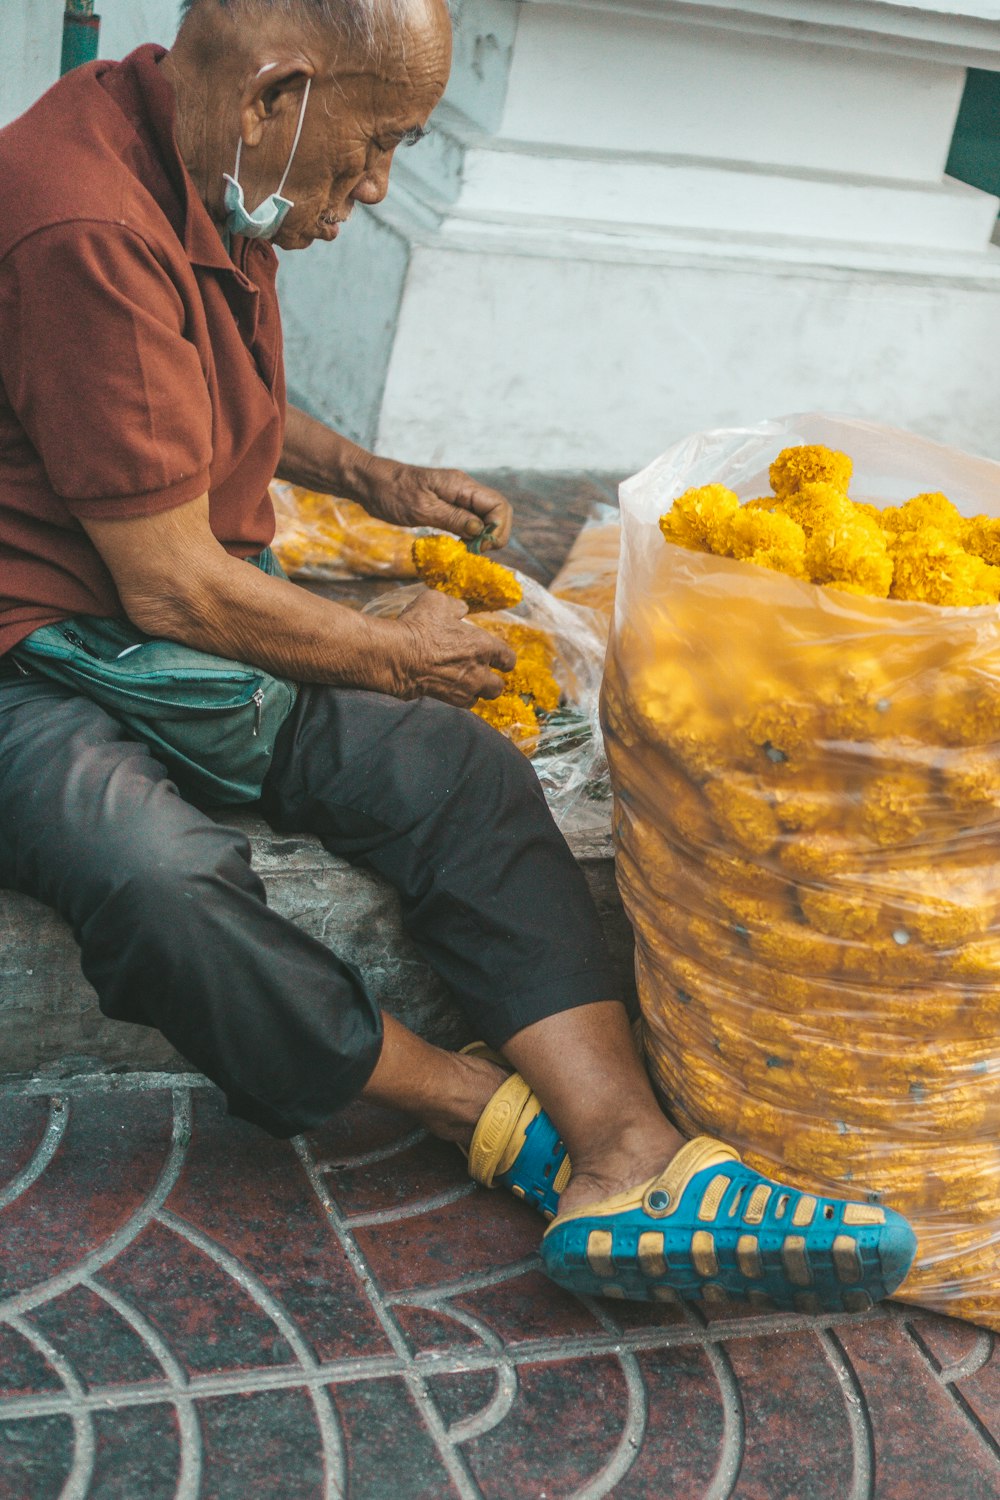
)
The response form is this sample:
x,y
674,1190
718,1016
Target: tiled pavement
x,y
190,1309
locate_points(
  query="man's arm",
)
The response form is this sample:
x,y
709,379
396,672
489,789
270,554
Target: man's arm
x,y
318,458
176,581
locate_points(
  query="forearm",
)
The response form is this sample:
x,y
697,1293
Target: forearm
x,y
318,458
238,612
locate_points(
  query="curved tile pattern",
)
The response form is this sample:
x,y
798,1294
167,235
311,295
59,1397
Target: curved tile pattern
x,y
190,1310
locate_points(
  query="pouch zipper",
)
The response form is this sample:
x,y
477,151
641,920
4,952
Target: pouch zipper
x,y
258,702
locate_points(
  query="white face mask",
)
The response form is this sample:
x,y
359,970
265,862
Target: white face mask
x,y
268,217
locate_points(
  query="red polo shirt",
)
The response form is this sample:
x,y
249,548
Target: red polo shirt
x,y
140,364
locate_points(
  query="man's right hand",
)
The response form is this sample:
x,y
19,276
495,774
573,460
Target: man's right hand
x,y
448,656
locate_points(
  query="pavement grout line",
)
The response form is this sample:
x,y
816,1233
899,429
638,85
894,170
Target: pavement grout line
x,y
102,1083
858,1416
380,1367
42,1155
454,1462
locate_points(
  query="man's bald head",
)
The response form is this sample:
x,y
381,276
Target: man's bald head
x,y
367,24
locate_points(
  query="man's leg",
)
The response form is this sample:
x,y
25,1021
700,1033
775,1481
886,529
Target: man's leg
x,y
171,920
453,816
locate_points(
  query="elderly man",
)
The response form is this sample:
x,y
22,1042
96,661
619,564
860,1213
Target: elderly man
x,y
142,416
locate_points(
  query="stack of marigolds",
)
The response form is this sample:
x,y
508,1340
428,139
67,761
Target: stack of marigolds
x,y
530,689
807,812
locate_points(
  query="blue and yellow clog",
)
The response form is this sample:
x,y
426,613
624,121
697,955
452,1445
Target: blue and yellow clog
x,y
710,1225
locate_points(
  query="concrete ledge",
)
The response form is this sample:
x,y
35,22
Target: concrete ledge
x,y
50,1021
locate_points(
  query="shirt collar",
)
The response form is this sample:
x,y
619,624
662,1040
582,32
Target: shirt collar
x,y
154,96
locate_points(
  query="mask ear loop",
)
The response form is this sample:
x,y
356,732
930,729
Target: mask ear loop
x,y
295,142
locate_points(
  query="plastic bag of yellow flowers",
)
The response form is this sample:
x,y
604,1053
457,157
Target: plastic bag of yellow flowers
x,y
329,539
807,820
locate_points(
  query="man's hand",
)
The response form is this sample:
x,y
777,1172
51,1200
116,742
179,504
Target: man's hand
x,y
449,657
445,499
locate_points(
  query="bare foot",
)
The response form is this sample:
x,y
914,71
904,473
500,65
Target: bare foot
x,y
633,1160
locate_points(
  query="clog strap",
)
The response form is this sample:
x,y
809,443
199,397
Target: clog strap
x,y
500,1132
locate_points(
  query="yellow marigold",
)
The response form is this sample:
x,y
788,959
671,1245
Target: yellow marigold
x,y
699,517
931,567
930,511
845,547
982,536
763,538
513,718
808,464
742,808
445,563
532,679
840,914
895,808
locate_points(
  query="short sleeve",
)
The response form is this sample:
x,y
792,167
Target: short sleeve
x,y
95,363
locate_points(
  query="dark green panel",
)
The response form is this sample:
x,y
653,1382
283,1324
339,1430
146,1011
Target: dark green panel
x,y
975,148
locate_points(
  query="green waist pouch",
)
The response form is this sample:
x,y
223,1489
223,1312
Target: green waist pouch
x,y
212,721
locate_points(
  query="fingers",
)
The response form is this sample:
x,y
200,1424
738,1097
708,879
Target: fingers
x,y
475,506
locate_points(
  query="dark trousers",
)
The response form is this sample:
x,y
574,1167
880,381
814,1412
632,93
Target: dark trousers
x,y
172,922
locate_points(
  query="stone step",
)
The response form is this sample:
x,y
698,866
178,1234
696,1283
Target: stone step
x,y
49,1017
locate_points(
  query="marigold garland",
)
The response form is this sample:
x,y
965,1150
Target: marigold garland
x,y
445,563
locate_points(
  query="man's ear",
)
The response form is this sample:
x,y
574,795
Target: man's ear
x,y
275,90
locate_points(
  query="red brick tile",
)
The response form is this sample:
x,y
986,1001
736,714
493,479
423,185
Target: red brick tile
x,y
682,1444
428,1330
266,1443
528,1307
390,1452
23,1122
136,1453
478,1234
946,1340
564,1426
111,1155
208,1320
99,1345
23,1370
797,1440
924,1445
411,1174
251,1196
36,1456
357,1131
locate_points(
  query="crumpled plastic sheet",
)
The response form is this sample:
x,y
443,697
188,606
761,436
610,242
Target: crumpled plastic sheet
x,y
329,540
807,824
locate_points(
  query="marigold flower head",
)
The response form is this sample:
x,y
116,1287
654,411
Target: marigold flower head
x,y
932,567
982,537
765,539
446,564
932,510
808,464
699,516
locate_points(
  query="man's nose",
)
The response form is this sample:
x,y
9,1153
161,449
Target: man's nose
x,y
374,185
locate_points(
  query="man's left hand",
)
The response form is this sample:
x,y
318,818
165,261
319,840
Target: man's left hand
x,y
445,499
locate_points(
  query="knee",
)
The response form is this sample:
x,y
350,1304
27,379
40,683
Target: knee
x,y
469,759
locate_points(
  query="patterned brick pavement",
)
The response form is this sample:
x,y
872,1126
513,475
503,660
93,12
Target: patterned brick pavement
x,y
190,1309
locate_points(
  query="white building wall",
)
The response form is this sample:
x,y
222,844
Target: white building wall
x,y
30,49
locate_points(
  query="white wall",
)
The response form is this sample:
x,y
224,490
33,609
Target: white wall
x,y
30,47
125,24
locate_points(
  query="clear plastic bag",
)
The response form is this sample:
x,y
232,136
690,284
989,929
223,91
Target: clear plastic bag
x,y
807,821
327,539
590,573
569,755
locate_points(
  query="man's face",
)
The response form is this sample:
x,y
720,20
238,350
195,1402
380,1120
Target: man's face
x,y
355,119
